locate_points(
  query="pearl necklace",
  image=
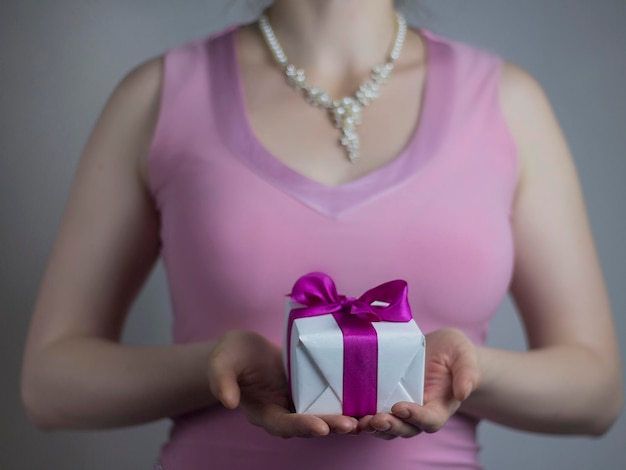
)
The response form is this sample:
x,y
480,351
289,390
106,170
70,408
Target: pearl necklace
x,y
346,112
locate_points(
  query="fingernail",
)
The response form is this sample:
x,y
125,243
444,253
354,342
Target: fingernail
x,y
345,428
468,390
384,427
404,413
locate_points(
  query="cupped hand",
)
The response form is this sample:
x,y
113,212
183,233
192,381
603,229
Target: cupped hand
x,y
451,375
246,371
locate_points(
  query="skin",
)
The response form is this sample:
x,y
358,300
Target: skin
x,y
569,381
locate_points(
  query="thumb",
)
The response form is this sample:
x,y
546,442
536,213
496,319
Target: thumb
x,y
465,373
224,385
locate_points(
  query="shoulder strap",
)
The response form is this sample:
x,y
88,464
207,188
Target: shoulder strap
x,y
185,105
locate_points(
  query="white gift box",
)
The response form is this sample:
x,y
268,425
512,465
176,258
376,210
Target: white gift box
x,y
316,357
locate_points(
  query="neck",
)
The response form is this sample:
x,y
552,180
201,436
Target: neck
x,y
334,37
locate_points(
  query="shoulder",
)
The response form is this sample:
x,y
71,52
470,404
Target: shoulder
x,y
465,55
521,94
523,103
150,74
531,119
144,80
137,95
142,89
521,97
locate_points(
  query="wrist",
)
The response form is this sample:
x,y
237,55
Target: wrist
x,y
487,368
201,370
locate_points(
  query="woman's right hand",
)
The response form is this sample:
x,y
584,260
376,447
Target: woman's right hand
x,y
246,371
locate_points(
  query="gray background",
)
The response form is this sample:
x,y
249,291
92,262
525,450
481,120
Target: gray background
x,y
59,61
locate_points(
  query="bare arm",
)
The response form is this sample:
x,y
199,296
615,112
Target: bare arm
x,y
570,379
75,374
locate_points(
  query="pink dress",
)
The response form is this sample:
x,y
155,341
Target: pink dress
x,y
238,228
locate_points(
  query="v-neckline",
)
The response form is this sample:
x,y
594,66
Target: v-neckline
x,y
331,201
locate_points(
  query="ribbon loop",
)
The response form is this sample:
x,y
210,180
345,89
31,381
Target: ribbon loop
x,y
315,289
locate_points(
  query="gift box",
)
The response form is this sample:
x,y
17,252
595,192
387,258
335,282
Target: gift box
x,y
351,356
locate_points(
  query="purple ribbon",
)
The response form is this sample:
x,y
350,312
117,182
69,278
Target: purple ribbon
x,y
386,302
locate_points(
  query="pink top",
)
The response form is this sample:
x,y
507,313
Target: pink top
x,y
238,228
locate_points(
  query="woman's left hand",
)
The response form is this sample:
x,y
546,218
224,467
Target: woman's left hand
x,y
451,375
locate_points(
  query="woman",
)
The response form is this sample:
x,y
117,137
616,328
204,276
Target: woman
x,y
455,177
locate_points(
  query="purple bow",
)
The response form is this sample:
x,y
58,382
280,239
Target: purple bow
x,y
386,302
318,292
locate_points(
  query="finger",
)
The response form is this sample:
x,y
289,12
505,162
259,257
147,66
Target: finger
x,y
294,424
392,426
224,385
365,424
340,424
429,419
375,429
279,421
